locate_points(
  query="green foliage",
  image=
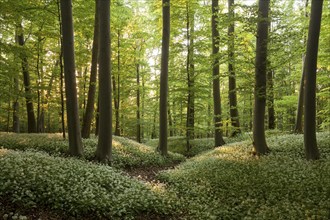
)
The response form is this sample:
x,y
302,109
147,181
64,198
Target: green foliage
x,y
126,153
178,144
228,183
76,188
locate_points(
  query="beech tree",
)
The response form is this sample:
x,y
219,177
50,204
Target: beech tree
x,y
75,142
86,126
216,82
164,79
104,147
231,70
32,126
259,139
310,65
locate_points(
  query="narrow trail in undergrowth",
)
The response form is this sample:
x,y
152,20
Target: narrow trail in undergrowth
x,y
148,174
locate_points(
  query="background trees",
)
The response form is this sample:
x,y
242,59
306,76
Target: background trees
x,y
136,33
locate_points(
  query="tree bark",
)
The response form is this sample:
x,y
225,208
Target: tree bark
x,y
231,70
87,121
216,82
32,127
61,69
116,94
190,77
310,65
138,118
271,109
298,128
164,79
16,121
260,145
104,147
75,142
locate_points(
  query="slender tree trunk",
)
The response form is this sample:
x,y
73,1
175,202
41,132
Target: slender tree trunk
x,y
298,128
61,70
164,79
190,77
104,147
16,121
310,65
232,77
138,118
271,110
170,121
259,138
75,142
97,119
216,82
116,91
41,108
32,127
87,121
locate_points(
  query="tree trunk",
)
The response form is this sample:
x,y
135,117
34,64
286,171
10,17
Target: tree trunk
x,y
271,110
61,69
190,77
32,127
259,139
138,118
216,82
164,79
75,142
116,95
298,128
87,121
97,119
170,121
310,65
104,147
16,122
232,78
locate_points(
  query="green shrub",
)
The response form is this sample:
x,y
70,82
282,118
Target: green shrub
x,y
229,183
126,153
76,188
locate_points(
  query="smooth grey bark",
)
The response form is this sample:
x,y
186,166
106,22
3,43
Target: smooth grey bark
x,y
216,82
271,109
61,69
16,121
190,68
310,65
116,91
75,142
104,147
32,126
138,113
234,117
87,121
298,127
164,79
16,124
259,139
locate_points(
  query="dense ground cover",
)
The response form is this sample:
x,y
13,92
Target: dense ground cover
x,y
177,144
223,183
75,188
126,153
228,183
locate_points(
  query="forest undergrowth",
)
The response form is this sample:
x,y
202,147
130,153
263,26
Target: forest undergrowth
x,y
39,180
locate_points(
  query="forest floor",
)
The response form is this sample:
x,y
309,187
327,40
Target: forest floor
x,y
221,183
